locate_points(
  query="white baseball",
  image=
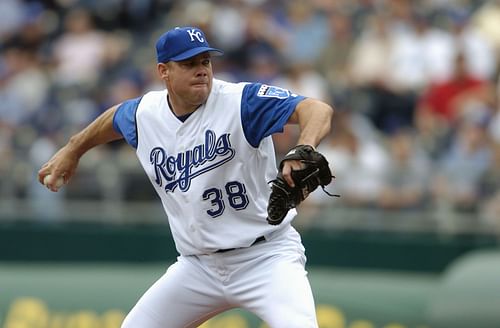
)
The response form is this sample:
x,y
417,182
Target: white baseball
x,y
59,182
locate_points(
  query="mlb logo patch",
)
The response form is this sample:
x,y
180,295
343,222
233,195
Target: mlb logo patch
x,y
273,92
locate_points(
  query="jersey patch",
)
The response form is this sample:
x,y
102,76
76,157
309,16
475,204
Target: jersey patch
x,y
270,91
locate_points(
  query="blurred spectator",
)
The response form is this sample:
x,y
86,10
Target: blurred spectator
x,y
443,105
11,17
407,55
390,106
230,14
407,175
262,65
124,13
307,32
368,58
24,86
489,188
433,134
80,51
479,53
456,182
8,159
359,165
301,78
125,87
487,21
334,58
32,33
494,128
260,52
434,53
400,13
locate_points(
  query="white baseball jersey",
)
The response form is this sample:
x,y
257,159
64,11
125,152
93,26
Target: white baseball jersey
x,y
211,169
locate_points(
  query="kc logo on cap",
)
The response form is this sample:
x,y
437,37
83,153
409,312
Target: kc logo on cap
x,y
182,43
194,33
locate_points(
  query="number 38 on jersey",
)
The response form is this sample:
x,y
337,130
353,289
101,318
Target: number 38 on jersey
x,y
233,194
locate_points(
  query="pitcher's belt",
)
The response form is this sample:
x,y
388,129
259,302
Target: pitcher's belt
x,y
258,240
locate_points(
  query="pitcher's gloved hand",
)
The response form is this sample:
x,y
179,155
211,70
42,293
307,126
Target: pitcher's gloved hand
x,y
316,172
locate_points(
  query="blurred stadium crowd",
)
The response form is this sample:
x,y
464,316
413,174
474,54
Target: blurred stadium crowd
x,y
415,85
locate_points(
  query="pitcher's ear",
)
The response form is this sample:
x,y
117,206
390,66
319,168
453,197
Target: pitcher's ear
x,y
163,71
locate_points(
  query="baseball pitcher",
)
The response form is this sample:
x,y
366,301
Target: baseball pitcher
x,y
206,147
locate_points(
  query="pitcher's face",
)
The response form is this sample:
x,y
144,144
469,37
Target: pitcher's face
x,y
189,80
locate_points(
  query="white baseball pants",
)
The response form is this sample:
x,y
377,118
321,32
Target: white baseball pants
x,y
267,279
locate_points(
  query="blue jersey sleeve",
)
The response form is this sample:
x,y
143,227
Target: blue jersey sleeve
x,y
124,120
265,110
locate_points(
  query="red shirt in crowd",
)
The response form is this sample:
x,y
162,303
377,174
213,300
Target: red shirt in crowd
x,y
442,98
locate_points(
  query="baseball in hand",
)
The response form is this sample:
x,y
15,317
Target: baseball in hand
x,y
59,182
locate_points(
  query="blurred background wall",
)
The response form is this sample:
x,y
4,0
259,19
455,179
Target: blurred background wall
x,y
415,143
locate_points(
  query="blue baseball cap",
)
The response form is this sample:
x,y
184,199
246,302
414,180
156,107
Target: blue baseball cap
x,y
182,43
